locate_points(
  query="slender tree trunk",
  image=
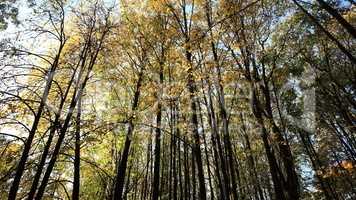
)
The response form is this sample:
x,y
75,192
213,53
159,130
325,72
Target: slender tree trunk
x,y
206,152
128,179
194,122
338,17
222,107
186,172
193,178
277,179
324,184
170,169
54,128
327,33
191,85
145,187
157,152
292,184
76,182
274,169
120,177
26,150
181,193
251,162
217,149
76,95
170,166
151,168
174,168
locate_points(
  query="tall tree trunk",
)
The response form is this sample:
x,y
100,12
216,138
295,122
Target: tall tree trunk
x,y
186,172
217,148
191,86
53,130
128,180
194,121
206,152
277,178
76,95
251,162
174,167
26,150
157,152
171,149
222,107
76,182
181,191
292,184
193,178
120,176
145,187
315,161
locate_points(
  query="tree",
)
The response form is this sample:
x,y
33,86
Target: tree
x,y
189,99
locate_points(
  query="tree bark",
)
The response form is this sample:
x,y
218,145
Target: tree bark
x,y
26,150
120,177
157,151
349,28
327,33
46,149
76,95
76,181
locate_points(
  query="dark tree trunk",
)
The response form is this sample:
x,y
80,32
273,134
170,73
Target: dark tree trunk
x,y
76,182
186,172
174,146
128,179
120,177
206,152
194,122
251,163
170,166
277,179
145,187
292,184
181,191
157,151
76,95
327,33
338,17
217,149
26,150
315,161
194,181
46,149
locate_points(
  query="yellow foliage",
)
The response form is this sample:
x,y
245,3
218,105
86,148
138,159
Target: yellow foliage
x,y
348,165
158,6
